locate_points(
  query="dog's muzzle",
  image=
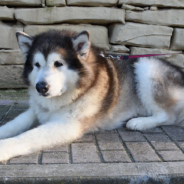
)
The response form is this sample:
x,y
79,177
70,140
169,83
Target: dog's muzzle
x,y
42,88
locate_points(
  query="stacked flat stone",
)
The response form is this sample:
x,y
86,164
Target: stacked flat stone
x,y
117,26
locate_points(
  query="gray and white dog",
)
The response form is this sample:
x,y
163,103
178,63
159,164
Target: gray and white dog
x,y
74,90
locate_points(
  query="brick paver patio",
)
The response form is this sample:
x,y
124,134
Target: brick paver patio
x,y
153,156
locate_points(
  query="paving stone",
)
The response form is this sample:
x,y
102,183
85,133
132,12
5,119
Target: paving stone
x,y
174,58
176,133
27,159
140,35
170,17
3,110
109,141
58,148
181,144
153,130
100,15
84,153
157,137
172,155
142,152
86,138
98,34
115,156
131,136
55,157
164,146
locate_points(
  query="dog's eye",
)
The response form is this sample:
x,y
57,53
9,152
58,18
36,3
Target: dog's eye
x,y
58,64
37,64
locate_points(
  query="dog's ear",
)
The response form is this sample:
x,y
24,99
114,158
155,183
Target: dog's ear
x,y
81,44
25,42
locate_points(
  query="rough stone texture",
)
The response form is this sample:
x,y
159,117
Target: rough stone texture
x,y
115,156
109,142
172,17
28,159
140,35
176,59
100,15
55,2
11,57
98,34
119,48
55,158
130,136
130,7
21,2
7,37
178,39
6,13
163,3
92,2
163,146
10,76
84,153
142,152
172,155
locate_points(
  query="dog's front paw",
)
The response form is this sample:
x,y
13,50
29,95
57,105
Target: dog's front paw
x,y
136,124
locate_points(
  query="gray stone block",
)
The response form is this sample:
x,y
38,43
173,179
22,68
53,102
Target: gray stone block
x,y
92,2
98,34
100,15
140,35
178,39
171,17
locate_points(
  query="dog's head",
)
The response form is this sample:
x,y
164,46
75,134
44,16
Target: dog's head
x,y
54,60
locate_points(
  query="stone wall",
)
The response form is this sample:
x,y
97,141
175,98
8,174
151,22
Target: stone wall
x,y
117,26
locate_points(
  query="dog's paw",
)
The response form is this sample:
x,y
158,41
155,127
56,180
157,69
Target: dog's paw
x,y
136,124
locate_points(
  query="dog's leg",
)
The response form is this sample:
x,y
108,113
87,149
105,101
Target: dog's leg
x,y
18,125
44,136
143,123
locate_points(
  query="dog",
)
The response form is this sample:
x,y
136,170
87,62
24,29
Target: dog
x,y
74,90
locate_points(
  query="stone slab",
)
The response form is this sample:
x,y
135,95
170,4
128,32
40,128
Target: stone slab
x,y
140,35
7,36
171,17
100,15
163,3
178,39
92,2
55,158
10,76
55,3
84,153
98,34
119,48
6,13
142,152
96,170
21,2
11,57
176,59
109,142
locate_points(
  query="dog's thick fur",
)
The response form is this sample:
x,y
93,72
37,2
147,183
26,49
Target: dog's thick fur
x,y
74,90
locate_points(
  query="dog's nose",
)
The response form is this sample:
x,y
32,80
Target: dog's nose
x,y
42,87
